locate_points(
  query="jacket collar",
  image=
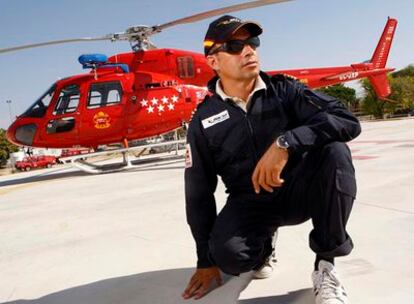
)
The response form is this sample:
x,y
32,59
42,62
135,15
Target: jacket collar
x,y
258,85
211,85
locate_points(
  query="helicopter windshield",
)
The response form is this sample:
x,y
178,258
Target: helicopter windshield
x,y
38,109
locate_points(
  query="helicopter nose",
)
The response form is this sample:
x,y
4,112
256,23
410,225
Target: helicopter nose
x,y
23,134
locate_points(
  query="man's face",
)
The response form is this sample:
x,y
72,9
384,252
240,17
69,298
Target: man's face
x,y
243,66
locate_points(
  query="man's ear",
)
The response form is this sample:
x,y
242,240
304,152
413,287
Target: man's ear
x,y
212,61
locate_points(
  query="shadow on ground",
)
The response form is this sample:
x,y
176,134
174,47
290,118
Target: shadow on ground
x,y
301,296
158,287
42,176
61,173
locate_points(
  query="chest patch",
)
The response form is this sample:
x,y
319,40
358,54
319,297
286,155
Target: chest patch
x,y
215,119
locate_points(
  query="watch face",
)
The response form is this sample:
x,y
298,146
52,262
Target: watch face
x,y
282,142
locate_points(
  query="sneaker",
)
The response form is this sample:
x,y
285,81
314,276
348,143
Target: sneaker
x,y
326,285
266,269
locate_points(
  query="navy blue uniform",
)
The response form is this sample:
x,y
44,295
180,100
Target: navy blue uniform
x,y
225,141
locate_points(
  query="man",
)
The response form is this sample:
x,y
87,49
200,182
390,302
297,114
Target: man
x,y
279,149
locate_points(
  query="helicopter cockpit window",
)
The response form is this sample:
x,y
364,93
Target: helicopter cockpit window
x,y
38,109
104,94
185,67
68,99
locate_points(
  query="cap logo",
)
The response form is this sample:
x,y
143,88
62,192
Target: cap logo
x,y
225,22
208,43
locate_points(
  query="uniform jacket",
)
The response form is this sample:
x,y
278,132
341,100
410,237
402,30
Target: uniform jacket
x,y
225,141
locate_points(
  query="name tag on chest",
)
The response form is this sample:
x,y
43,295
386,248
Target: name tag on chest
x,y
215,119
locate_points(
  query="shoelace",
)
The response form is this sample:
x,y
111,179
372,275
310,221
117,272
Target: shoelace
x,y
329,286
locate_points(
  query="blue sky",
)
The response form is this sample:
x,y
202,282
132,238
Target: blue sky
x,y
297,34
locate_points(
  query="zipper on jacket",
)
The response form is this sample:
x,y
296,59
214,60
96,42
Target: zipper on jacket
x,y
248,124
251,133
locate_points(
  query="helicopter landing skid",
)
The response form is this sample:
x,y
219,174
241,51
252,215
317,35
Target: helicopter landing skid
x,y
173,150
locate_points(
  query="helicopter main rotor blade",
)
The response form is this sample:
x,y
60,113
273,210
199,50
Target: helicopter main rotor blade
x,y
28,46
140,34
219,11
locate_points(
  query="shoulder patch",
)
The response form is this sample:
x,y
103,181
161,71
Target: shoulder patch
x,y
188,156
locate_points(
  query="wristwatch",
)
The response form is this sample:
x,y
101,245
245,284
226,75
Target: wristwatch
x,y
282,143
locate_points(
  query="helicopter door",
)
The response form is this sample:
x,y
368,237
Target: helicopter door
x,y
103,120
63,124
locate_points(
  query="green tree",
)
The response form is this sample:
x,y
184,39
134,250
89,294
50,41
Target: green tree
x,y
402,96
370,104
343,93
403,92
5,148
407,71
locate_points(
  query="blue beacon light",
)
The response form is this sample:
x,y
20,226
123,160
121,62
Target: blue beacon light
x,y
92,60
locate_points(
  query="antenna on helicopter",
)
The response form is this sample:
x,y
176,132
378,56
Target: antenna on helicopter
x,y
138,36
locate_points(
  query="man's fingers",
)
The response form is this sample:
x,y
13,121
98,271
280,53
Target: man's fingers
x,y
277,181
267,188
190,284
270,178
266,178
201,292
261,178
255,178
262,181
186,292
193,290
201,281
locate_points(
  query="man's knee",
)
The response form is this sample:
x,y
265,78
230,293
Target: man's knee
x,y
231,255
337,155
337,167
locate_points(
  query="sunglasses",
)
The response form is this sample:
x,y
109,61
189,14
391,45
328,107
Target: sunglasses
x,y
236,46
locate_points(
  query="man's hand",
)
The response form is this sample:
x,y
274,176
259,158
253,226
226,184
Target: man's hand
x,y
201,281
268,169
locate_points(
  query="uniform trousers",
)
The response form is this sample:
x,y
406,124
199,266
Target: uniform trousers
x,y
320,186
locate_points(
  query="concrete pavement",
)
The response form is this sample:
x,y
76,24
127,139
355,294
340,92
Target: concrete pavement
x,y
69,237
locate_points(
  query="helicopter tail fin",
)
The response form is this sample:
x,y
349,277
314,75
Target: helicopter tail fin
x,y
379,60
380,56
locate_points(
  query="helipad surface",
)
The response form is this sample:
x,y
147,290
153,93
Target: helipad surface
x,y
68,237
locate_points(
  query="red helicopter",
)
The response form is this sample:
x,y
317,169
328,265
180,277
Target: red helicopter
x,y
151,91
